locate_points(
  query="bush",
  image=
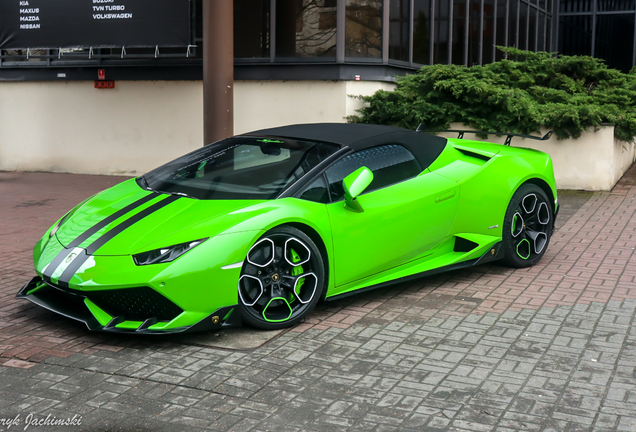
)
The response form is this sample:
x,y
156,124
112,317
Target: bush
x,y
566,94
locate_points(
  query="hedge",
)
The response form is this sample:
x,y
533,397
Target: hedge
x,y
520,95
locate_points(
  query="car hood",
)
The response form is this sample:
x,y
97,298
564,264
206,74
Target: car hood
x,y
159,220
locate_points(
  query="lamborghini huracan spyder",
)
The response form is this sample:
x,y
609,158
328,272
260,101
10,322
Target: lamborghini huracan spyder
x,y
259,227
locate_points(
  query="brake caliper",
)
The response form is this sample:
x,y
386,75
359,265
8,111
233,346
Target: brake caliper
x,y
298,270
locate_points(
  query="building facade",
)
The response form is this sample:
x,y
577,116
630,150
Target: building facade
x,y
295,61
387,37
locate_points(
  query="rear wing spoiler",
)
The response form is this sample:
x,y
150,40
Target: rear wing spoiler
x,y
460,134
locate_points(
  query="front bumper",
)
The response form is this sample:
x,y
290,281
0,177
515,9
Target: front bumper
x,y
130,310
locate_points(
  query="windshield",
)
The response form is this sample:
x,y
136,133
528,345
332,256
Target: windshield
x,y
238,168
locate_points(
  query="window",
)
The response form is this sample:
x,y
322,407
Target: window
x,y
576,5
421,31
502,13
399,29
523,26
238,168
548,34
541,33
575,35
251,28
390,164
442,28
305,28
363,28
316,191
532,30
615,5
615,40
513,23
488,31
459,32
474,23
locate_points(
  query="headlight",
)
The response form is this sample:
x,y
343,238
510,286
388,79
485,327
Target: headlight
x,y
165,255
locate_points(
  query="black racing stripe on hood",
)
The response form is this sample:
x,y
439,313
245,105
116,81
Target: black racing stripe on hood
x,y
92,230
101,241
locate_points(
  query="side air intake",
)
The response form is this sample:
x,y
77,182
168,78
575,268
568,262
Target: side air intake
x,y
463,245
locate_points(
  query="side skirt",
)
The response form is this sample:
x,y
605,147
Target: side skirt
x,y
487,257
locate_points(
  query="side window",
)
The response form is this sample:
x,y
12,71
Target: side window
x,y
316,191
390,164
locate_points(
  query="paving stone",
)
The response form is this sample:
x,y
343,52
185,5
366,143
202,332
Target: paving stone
x,y
485,348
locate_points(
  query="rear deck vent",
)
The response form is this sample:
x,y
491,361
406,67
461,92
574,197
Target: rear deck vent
x,y
473,154
463,245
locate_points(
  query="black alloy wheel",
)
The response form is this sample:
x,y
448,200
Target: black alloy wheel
x,y
282,279
528,226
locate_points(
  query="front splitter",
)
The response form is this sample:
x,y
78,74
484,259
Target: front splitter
x,y
72,305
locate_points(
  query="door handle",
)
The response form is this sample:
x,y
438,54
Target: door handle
x,y
445,196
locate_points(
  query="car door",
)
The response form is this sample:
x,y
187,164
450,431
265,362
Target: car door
x,y
405,214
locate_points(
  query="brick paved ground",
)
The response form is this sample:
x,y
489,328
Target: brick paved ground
x,y
488,348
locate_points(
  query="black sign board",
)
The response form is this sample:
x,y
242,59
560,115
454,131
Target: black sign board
x,y
96,23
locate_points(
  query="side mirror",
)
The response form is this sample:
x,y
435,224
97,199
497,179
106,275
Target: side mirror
x,y
354,184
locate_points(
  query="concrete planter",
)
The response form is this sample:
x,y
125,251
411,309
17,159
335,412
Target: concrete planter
x,y
594,162
73,127
139,125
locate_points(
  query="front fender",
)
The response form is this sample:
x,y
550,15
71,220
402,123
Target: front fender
x,y
268,215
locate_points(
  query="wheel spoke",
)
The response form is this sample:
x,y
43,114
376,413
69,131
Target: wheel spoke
x,y
262,253
303,286
294,255
543,214
249,292
531,219
538,240
529,202
277,310
517,224
523,249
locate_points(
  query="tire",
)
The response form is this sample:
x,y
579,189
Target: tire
x,y
282,279
527,226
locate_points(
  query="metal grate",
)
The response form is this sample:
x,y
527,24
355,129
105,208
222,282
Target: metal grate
x,y
135,304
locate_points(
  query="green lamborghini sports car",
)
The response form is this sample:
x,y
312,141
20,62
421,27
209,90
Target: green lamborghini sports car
x,y
259,227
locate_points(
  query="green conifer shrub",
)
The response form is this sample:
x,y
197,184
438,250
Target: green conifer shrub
x,y
521,94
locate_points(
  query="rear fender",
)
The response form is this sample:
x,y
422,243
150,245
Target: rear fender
x,y
484,196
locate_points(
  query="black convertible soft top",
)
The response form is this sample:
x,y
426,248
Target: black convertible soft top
x,y
356,136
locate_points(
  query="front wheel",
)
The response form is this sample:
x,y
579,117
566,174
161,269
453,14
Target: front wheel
x,y
282,279
528,226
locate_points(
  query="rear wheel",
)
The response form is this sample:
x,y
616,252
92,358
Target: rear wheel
x,y
282,279
527,226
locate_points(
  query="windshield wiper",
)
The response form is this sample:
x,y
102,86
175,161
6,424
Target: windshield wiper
x,y
147,187
145,182
177,193
182,194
